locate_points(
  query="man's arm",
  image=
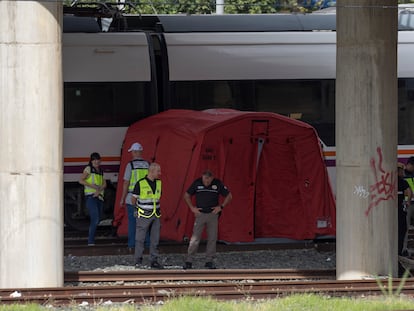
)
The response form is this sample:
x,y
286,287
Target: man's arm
x,y
125,185
409,194
187,199
135,194
227,200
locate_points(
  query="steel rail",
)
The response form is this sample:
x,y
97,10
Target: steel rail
x,y
223,290
115,248
194,275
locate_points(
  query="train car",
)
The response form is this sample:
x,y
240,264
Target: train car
x,y
119,68
107,86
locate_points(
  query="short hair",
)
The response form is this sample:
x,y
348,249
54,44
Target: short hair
x,y
208,173
153,165
410,160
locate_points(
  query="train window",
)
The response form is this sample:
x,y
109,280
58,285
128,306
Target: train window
x,y
105,103
311,101
200,95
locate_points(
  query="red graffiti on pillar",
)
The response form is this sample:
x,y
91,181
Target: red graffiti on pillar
x,y
384,187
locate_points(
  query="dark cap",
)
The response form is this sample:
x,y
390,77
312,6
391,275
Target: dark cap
x,y
410,160
208,173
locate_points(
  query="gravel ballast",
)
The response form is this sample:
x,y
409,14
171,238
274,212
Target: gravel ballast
x,y
262,259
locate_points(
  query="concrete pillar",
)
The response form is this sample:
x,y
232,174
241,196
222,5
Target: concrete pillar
x,y
366,138
31,177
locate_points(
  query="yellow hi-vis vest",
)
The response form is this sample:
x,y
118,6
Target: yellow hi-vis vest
x,y
148,202
94,178
410,181
139,169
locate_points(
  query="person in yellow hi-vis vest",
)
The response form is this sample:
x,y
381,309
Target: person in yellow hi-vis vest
x,y
146,196
136,169
409,178
94,182
404,199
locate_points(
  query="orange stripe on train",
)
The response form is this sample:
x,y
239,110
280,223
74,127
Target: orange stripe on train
x,y
86,159
400,151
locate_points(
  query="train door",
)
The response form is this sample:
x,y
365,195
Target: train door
x,y
160,72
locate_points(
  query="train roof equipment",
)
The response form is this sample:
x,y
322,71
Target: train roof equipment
x,y
88,16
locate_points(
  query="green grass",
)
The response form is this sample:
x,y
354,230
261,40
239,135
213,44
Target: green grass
x,y
309,302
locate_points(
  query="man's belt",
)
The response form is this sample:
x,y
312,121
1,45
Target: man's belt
x,y
148,212
207,210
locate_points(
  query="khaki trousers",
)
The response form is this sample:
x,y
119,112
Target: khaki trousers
x,y
211,222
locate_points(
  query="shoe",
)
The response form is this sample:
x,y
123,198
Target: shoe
x,y
188,265
91,244
138,263
114,231
131,250
156,265
210,265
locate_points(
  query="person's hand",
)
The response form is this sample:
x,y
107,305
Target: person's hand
x,y
196,211
121,203
217,209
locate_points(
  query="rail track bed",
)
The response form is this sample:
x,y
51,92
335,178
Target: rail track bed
x,y
220,284
116,246
197,275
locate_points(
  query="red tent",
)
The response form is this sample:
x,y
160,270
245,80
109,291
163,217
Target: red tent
x,y
273,166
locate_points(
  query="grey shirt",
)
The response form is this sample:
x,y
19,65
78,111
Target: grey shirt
x,y
138,163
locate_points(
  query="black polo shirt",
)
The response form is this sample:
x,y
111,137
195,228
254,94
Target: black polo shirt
x,y
207,197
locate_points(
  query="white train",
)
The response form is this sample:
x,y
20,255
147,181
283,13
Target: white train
x,y
119,70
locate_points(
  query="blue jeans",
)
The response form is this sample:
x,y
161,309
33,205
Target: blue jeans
x,y
95,208
131,209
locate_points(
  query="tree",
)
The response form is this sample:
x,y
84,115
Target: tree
x,y
231,6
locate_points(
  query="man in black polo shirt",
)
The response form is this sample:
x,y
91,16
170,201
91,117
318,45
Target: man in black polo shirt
x,y
207,190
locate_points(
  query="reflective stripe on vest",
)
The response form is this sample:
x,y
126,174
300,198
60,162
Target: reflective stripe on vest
x,y
139,169
94,178
410,182
148,200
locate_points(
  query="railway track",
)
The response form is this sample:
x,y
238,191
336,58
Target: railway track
x,y
151,292
110,246
197,275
